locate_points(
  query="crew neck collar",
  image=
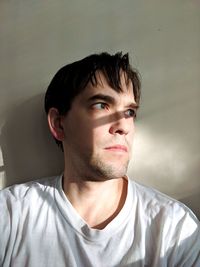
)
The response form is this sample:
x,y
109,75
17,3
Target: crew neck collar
x,y
80,226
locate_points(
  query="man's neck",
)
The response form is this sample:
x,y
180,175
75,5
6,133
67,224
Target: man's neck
x,y
98,203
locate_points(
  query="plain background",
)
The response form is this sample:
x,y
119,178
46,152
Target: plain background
x,y
163,41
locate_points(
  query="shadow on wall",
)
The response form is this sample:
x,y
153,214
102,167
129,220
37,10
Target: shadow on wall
x,y
194,199
28,149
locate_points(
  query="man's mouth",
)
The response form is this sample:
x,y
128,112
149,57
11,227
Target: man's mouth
x,y
117,147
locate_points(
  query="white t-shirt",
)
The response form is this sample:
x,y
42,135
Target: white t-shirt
x,y
39,228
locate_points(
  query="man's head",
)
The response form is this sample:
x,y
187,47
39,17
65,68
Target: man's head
x,y
91,106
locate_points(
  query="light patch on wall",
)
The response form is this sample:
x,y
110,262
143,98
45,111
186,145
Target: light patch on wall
x,y
163,163
152,151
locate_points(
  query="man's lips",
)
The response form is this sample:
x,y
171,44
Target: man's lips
x,y
117,148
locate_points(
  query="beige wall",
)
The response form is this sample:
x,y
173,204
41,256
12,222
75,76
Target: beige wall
x,y
163,39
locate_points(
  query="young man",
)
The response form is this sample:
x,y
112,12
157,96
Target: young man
x,y
93,214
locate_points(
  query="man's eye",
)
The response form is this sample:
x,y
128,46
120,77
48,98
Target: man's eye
x,y
99,105
130,113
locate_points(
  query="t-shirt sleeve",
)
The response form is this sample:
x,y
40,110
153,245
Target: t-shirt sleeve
x,y
10,213
5,226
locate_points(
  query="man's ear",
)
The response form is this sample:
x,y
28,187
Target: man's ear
x,y
55,124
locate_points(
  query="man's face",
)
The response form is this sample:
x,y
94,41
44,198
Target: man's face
x,y
99,131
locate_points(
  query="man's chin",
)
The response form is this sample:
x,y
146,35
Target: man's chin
x,y
108,171
106,168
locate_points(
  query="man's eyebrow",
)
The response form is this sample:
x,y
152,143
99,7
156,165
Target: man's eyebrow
x,y
133,105
106,98
111,100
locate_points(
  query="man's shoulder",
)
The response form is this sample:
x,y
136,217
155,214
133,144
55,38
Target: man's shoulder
x,y
154,202
19,192
169,225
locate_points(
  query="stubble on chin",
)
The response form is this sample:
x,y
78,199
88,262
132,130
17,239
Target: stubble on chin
x,y
103,171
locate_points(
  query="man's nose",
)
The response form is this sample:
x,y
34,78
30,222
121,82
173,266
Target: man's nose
x,y
119,124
